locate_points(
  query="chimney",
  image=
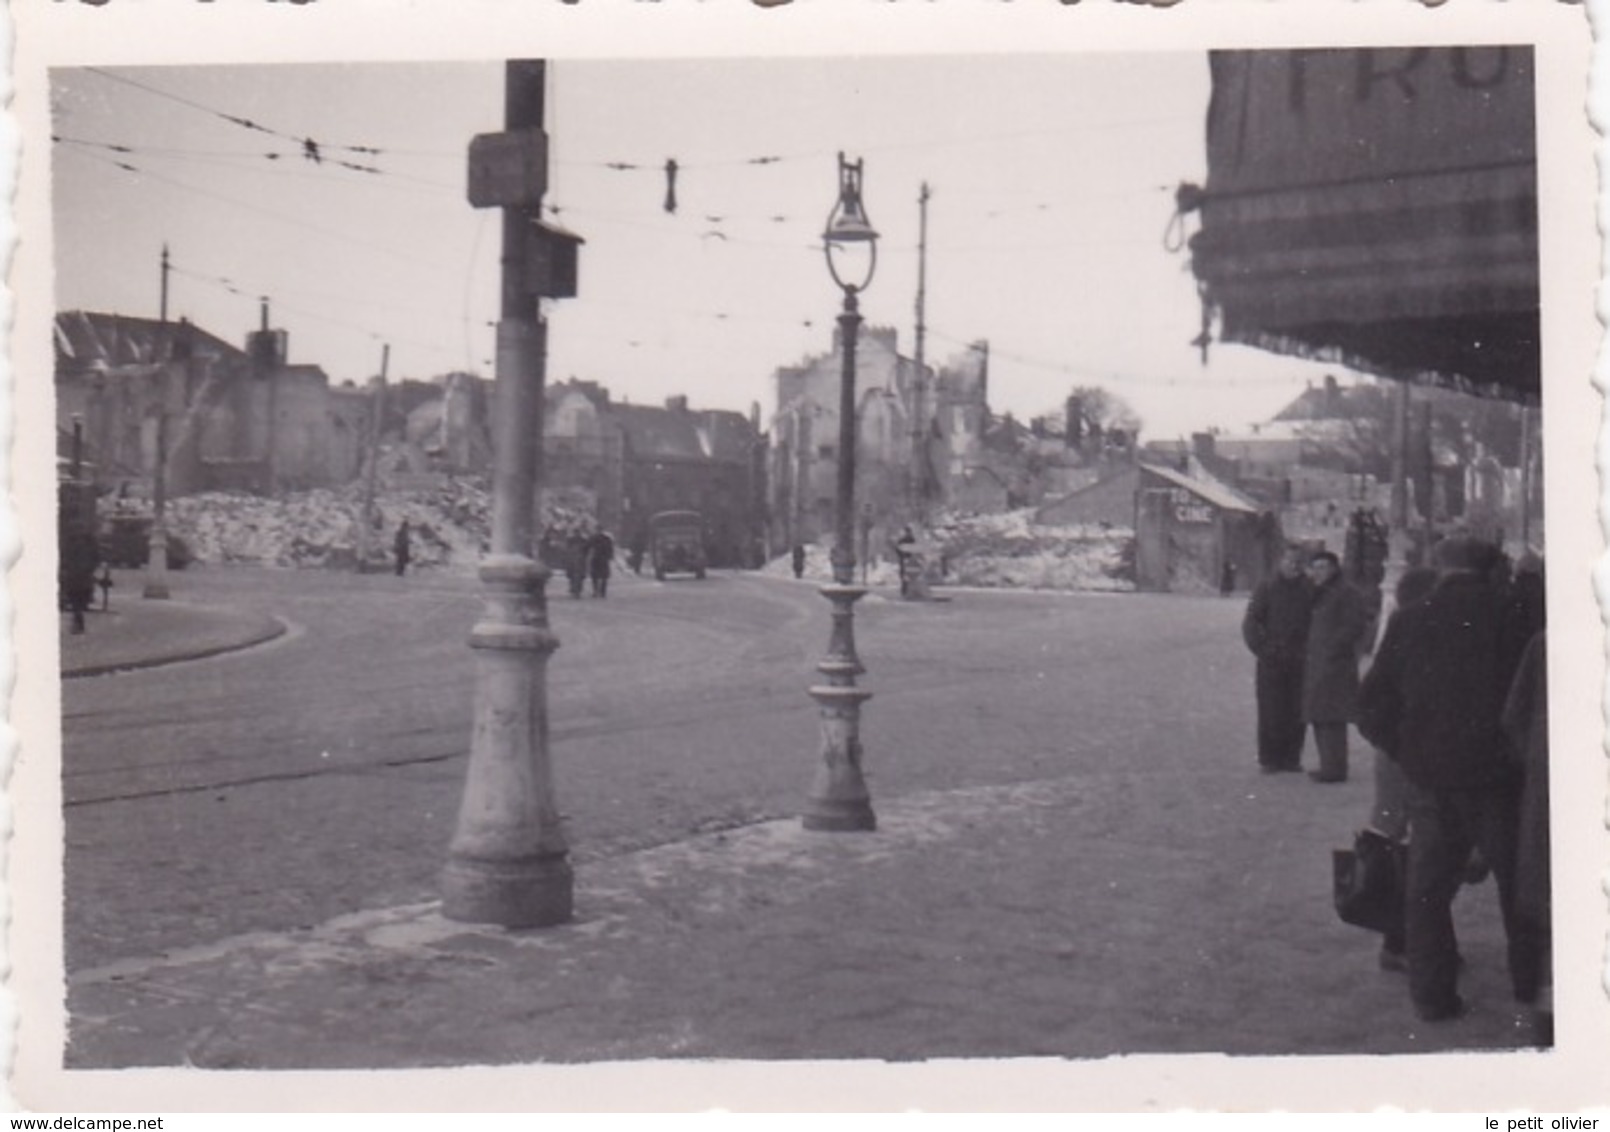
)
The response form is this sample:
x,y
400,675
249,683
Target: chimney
x,y
677,403
1073,429
754,416
1202,444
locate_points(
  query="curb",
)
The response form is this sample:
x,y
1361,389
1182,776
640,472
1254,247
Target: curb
x,y
272,630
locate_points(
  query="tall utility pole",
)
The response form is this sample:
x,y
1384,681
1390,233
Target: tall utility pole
x,y
919,408
371,472
156,577
507,863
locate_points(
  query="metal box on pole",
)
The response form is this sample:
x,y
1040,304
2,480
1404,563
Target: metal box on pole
x,y
508,169
551,257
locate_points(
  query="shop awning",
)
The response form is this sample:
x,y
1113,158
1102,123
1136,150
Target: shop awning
x,y
1377,207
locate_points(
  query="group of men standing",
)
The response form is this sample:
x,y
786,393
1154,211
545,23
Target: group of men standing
x,y
1455,704
1308,628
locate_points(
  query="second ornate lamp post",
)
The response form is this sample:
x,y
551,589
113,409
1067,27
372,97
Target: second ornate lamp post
x,y
839,799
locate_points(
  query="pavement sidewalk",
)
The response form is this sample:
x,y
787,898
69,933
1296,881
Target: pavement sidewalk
x,y
138,632
1000,921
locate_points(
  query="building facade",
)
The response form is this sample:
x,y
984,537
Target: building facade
x,y
222,416
919,436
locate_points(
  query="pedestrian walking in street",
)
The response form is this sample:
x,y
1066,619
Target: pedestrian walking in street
x,y
905,551
600,557
1330,666
75,574
1275,628
577,548
1433,700
400,548
799,560
106,583
1389,810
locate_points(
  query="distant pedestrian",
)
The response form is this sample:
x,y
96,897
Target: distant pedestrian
x,y
80,554
400,548
799,560
576,550
1275,628
1434,700
1227,579
1330,666
600,557
905,553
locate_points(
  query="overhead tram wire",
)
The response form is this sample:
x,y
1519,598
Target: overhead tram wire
x,y
242,160
331,233
1099,375
245,290
275,296
312,149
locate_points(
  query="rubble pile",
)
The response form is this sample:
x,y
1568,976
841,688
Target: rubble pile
x,y
320,528
1009,550
1002,551
449,525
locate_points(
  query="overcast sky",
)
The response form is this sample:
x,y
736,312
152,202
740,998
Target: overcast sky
x,y
1052,185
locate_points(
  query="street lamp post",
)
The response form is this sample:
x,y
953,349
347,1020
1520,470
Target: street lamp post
x,y
508,860
839,800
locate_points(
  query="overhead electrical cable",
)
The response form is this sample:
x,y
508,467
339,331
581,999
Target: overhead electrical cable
x,y
238,159
1099,375
311,148
332,233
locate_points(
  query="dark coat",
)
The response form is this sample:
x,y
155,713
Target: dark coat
x,y
1526,724
1335,640
600,553
1276,623
1432,699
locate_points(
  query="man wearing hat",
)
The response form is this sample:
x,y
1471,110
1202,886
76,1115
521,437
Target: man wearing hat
x,y
1336,631
1275,629
1433,701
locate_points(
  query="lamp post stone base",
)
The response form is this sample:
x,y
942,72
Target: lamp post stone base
x,y
839,801
507,862
533,893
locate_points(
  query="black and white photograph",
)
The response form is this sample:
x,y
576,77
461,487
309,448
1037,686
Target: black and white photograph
x,y
828,560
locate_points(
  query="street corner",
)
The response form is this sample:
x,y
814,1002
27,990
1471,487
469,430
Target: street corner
x,y
141,633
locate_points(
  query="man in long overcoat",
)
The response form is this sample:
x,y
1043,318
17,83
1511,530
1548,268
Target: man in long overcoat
x,y
1275,628
1433,700
600,557
1330,668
